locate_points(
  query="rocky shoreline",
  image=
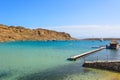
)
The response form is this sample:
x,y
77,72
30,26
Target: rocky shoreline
x,y
112,66
18,33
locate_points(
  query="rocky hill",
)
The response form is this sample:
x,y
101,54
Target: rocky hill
x,y
11,33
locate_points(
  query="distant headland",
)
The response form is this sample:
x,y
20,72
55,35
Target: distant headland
x,y
15,33
102,39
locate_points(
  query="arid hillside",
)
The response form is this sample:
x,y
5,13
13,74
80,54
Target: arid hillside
x,y
11,33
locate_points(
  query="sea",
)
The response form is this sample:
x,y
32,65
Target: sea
x,y
47,60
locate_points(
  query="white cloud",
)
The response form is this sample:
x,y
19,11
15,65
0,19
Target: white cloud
x,y
84,31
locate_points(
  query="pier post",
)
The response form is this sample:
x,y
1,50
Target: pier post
x,y
84,59
97,59
107,58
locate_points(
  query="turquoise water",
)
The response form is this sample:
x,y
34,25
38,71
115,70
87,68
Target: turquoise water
x,y
46,60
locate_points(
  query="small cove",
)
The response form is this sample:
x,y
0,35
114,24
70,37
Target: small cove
x,y
46,60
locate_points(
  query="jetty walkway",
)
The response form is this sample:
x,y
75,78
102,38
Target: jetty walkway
x,y
73,58
112,65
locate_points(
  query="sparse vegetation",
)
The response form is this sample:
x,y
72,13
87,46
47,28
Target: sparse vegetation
x,y
13,33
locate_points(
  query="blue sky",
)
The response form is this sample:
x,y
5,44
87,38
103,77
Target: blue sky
x,y
78,17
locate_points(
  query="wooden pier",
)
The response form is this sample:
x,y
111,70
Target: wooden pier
x,y
73,58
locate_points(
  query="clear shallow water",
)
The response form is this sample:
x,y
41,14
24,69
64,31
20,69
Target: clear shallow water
x,y
46,60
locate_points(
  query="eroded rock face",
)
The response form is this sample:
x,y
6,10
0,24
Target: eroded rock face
x,y
11,33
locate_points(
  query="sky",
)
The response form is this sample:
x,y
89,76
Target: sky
x,y
80,18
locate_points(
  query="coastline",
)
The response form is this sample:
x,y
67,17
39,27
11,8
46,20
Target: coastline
x,y
100,39
49,40
37,40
